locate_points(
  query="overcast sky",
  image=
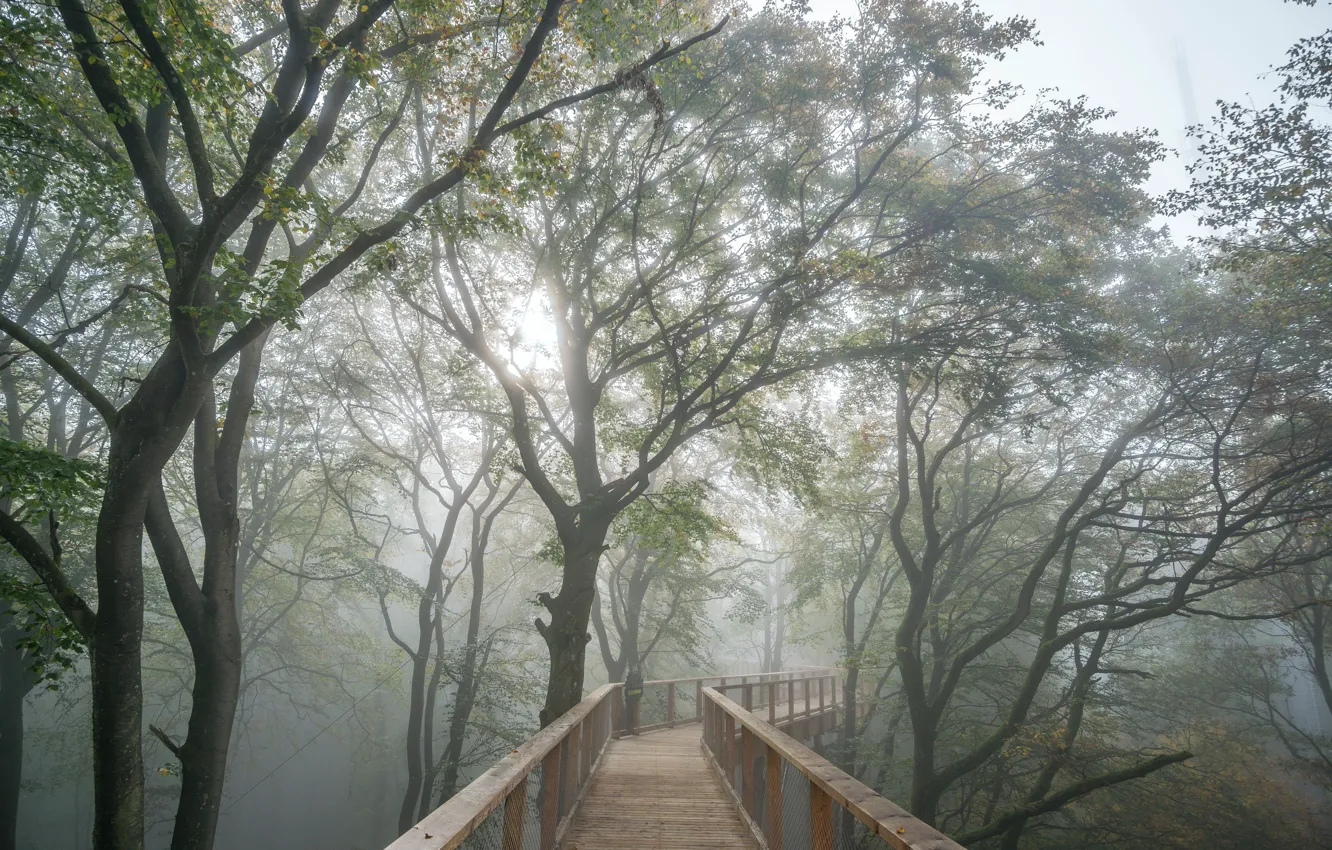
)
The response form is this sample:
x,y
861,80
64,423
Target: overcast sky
x,y
1126,55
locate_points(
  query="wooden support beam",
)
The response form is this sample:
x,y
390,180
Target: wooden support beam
x,y
588,727
571,760
821,819
772,702
750,769
729,763
515,810
707,728
772,806
550,798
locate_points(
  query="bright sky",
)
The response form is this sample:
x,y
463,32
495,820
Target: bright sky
x,y
1126,55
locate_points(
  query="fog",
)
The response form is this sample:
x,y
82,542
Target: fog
x,y
381,380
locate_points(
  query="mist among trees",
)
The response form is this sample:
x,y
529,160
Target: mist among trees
x,y
381,377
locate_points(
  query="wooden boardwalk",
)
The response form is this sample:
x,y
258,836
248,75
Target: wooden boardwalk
x,y
656,792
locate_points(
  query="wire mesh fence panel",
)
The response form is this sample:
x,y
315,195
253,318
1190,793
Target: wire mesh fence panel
x,y
685,702
489,835
652,707
796,821
532,810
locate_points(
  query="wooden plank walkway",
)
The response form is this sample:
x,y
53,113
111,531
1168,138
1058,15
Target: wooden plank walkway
x,y
656,792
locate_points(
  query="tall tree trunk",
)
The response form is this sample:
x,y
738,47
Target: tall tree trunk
x,y
208,613
566,634
16,681
203,757
116,650
468,676
146,433
429,767
615,665
778,620
924,788
11,755
415,722
425,623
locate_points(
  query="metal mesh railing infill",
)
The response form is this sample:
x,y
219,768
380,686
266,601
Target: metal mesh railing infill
x,y
792,798
527,799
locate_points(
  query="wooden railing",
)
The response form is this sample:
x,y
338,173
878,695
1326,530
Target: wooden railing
x,y
529,798
663,699
534,790
790,795
787,696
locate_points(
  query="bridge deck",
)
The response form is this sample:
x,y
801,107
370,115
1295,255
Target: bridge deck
x,y
655,791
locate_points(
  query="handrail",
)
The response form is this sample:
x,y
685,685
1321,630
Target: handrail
x,y
672,718
828,784
759,676
565,770
587,729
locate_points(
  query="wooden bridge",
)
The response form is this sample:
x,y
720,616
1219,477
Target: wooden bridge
x,y
715,762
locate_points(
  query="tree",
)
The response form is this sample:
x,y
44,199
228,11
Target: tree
x,y
300,584
710,243
425,417
1220,445
845,560
1261,183
224,139
659,578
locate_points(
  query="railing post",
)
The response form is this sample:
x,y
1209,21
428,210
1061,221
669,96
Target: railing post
x,y
588,726
749,698
550,798
710,711
515,808
604,730
670,705
772,702
729,728
707,729
748,769
617,703
772,806
571,769
821,819
790,696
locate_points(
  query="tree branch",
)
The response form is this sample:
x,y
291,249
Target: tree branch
x,y
63,368
487,133
1071,792
166,740
52,577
